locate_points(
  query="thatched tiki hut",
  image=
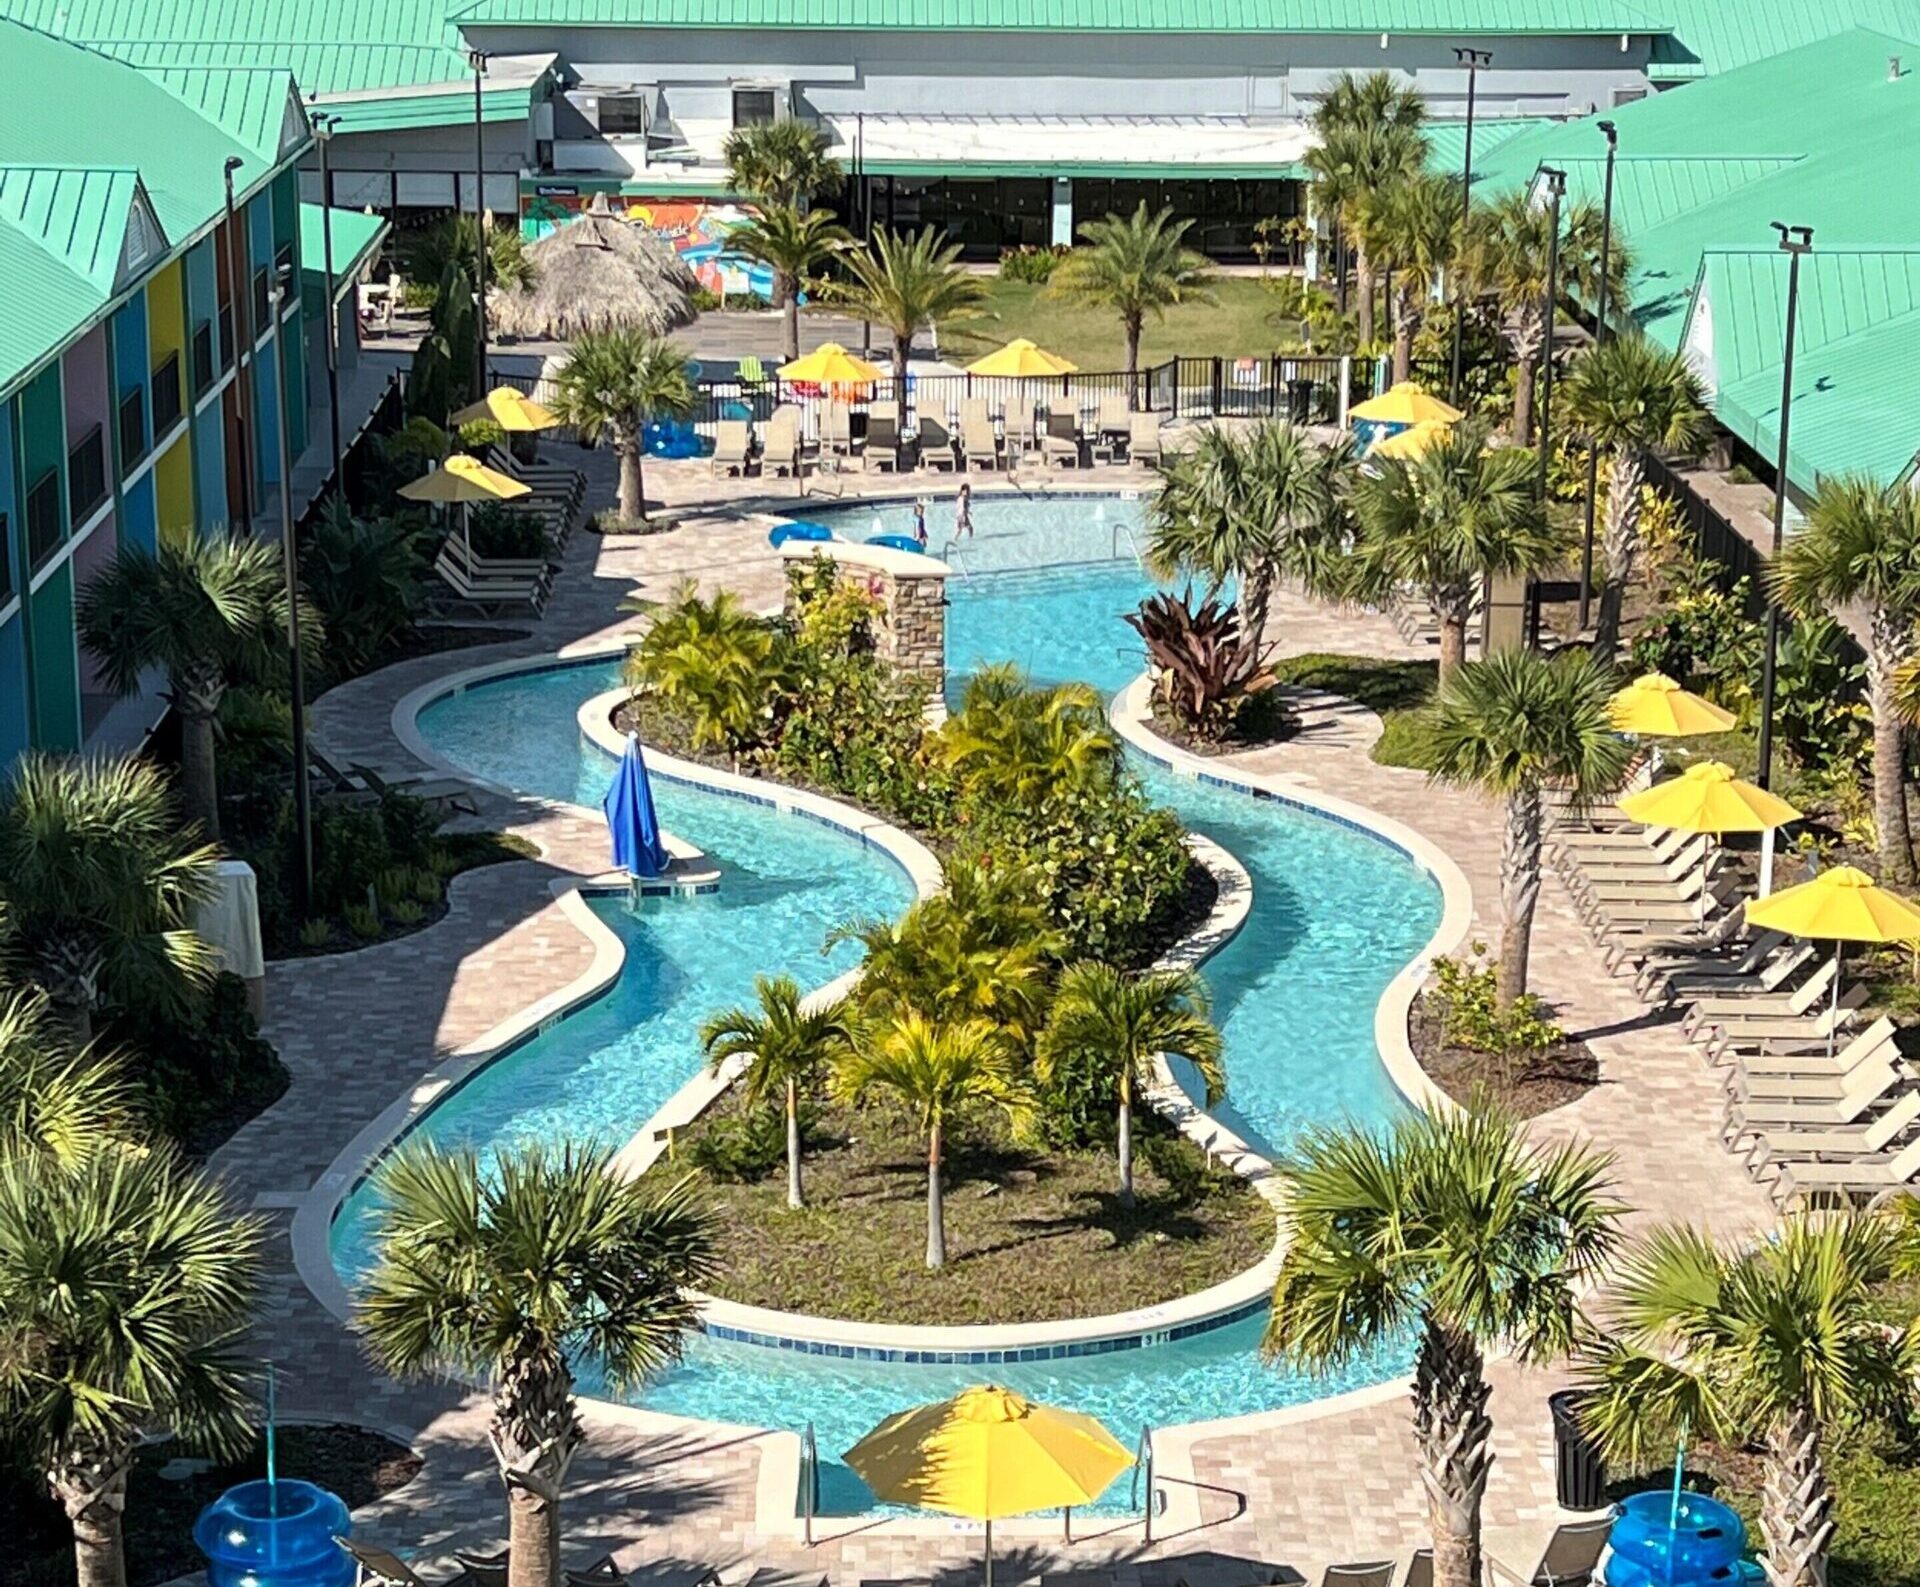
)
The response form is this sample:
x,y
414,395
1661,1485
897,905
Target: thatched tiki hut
x,y
597,273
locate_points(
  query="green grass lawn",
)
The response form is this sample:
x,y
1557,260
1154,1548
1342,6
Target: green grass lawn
x,y
1236,326
1392,690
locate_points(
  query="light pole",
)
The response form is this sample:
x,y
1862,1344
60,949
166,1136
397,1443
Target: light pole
x,y
1556,190
477,59
1612,134
323,135
1794,242
240,278
1472,60
290,560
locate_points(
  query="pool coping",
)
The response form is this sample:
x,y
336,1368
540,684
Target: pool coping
x,y
1130,717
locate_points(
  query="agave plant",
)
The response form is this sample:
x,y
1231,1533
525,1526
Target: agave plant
x,y
1206,667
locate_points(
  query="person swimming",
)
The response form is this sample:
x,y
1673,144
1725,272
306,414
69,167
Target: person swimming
x,y
963,513
920,521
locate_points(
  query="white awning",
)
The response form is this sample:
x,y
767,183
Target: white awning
x,y
1164,146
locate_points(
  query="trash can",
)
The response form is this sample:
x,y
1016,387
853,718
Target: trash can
x,y
1300,401
1579,1471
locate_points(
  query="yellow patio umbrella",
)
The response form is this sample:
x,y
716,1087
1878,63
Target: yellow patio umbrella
x,y
1021,358
466,480
512,410
1404,403
1409,443
1707,797
1842,905
988,1452
1654,706
830,364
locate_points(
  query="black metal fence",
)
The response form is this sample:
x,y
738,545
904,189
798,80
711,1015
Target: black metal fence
x,y
357,458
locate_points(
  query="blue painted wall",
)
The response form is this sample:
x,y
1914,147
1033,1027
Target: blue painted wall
x,y
203,294
130,373
13,556
14,730
266,414
139,519
210,469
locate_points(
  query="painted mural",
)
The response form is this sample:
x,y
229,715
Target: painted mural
x,y
696,229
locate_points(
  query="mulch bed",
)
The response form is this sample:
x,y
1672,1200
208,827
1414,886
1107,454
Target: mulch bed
x,y
1269,718
353,1462
1561,1075
1033,1234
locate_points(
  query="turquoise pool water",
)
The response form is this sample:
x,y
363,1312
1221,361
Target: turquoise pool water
x,y
1335,915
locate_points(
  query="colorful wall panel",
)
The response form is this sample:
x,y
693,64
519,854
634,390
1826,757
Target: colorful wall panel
x,y
173,492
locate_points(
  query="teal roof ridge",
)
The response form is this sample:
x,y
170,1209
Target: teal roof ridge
x,y
76,214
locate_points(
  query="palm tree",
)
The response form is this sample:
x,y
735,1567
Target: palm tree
x,y
1771,1342
209,610
1120,1023
450,244
793,244
784,162
1507,254
518,1273
1633,397
786,1045
1446,520
712,661
1137,265
613,382
98,887
56,1100
1014,742
126,1285
1510,726
937,1071
1453,1226
1414,225
1256,505
1861,545
905,283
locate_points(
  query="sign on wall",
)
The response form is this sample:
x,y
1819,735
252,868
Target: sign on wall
x,y
695,228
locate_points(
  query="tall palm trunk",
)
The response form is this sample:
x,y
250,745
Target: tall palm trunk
x,y
534,1434
628,443
1132,324
1890,642
1796,1505
1363,286
1626,475
902,346
1453,605
1406,325
794,1197
1126,1138
1451,1429
1525,334
936,1204
196,695
1519,890
783,289
90,1481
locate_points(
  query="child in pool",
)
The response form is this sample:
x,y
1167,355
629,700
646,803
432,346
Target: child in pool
x,y
920,521
963,513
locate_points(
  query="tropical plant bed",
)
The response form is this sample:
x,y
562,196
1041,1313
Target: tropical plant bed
x,y
1392,690
455,853
1034,1233
1526,1086
1267,718
354,1462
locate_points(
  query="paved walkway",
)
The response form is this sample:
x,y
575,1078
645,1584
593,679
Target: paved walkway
x,y
357,1030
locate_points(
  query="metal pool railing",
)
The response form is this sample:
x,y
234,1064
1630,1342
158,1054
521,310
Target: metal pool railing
x,y
809,1480
1143,1473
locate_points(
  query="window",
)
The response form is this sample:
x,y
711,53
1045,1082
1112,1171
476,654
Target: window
x,y
87,475
624,115
133,427
6,564
44,529
262,304
283,269
752,107
224,323
166,394
202,352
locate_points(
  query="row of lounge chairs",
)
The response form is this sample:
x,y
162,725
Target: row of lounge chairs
x,y
1570,1557
1820,1112
514,586
980,443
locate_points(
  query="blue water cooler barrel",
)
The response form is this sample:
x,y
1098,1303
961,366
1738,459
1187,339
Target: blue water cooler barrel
x,y
1701,1546
256,1535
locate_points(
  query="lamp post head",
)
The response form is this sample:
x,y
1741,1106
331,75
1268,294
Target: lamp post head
x,y
1472,59
478,59
234,162
1611,133
323,126
1793,239
1556,180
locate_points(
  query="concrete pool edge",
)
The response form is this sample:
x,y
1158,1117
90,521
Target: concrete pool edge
x,y
1130,717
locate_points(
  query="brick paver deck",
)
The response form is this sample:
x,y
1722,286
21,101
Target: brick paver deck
x,y
357,1030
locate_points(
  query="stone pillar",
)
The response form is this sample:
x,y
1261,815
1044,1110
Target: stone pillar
x,y
910,628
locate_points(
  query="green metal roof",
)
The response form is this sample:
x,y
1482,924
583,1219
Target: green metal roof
x,y
1843,294
355,236
47,302
78,216
1447,140
1521,17
1713,36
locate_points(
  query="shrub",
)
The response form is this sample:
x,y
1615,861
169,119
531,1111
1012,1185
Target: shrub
x,y
706,300
417,445
363,920
196,1066
367,579
1701,636
714,667
1032,265
406,913
1465,994
1208,669
316,933
476,435
747,1147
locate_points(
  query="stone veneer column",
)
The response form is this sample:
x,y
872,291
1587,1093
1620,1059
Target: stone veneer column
x,y
910,629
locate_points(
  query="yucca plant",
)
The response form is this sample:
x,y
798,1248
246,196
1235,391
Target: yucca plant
x,y
99,886
209,610
1453,1227
787,1045
523,1273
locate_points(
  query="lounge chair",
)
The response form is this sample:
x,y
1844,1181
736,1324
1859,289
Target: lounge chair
x,y
373,1564
1113,416
490,597
1818,1081
450,793
975,410
1678,976
1729,1032
554,480
752,372
1638,909
836,430
1377,1574
1785,1147
1616,866
781,449
1143,437
1570,1558
977,440
936,443
459,549
1878,1040
1419,1569
1061,443
732,447
883,443
1022,434
1753,997
1872,1085
1870,1179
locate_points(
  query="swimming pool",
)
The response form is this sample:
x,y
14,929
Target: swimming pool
x,y
1336,914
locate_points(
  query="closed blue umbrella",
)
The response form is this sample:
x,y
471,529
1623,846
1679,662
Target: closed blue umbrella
x,y
637,845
